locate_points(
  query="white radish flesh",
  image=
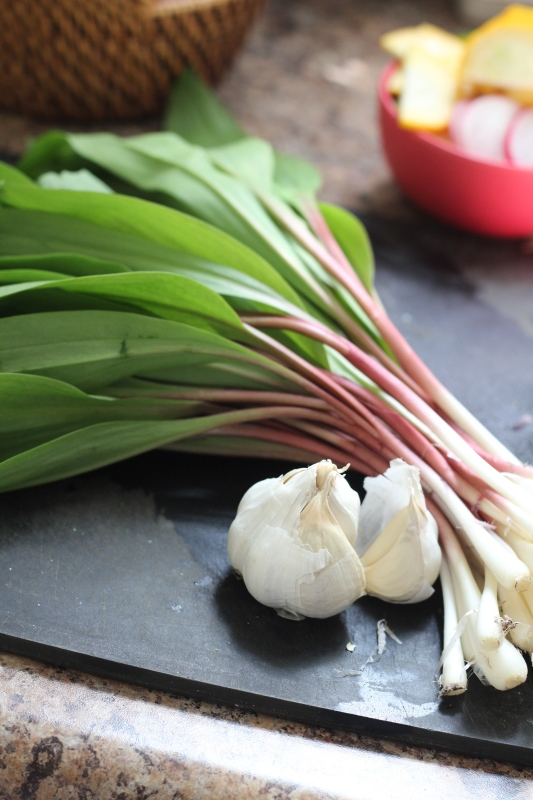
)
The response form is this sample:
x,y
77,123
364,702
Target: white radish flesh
x,y
480,128
458,112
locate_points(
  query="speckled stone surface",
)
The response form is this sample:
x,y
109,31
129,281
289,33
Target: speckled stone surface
x,y
306,80
66,735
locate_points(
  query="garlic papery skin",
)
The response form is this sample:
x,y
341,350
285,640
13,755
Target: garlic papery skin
x,y
293,541
398,537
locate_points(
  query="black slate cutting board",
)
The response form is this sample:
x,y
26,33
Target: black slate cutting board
x,y
124,572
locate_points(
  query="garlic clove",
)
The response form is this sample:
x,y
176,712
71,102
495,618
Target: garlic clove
x,y
345,507
293,551
385,496
343,582
274,500
398,537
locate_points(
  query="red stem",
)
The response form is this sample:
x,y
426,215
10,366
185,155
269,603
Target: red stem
x,y
375,463
244,396
525,470
373,370
286,436
314,377
317,222
403,351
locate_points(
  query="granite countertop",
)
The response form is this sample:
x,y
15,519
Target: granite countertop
x,y
305,80
67,735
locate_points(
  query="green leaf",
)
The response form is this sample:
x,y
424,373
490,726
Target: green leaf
x,y
93,349
255,288
183,175
38,232
136,224
163,295
58,264
12,276
9,173
295,178
92,447
251,160
49,153
79,181
195,113
168,166
63,408
353,239
36,297
100,444
164,163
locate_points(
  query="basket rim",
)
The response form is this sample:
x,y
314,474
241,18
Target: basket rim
x,y
160,8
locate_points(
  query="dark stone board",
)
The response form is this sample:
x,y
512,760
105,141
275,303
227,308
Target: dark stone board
x,y
124,572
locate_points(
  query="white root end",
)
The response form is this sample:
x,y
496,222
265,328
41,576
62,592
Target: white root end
x,y
514,606
503,668
448,690
453,679
522,584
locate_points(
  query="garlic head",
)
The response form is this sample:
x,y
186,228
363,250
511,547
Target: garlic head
x,y
398,537
293,542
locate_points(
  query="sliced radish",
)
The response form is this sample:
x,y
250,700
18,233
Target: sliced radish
x,y
481,125
458,112
519,139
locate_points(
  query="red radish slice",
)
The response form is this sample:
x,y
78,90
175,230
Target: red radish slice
x,y
480,128
519,139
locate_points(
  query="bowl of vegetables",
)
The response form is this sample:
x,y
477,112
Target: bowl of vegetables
x,y
457,134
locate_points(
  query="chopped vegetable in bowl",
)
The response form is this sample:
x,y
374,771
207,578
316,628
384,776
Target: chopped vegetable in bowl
x,y
474,90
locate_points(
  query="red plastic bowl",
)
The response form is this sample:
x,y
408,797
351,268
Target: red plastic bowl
x,y
471,193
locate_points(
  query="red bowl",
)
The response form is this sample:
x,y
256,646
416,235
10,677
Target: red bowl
x,y
471,193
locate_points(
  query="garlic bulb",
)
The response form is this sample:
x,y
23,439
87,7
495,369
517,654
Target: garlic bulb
x,y
398,537
293,542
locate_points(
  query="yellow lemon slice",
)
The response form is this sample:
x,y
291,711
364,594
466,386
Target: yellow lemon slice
x,y
499,55
434,40
429,90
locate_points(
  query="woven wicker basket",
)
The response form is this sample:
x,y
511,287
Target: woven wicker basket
x,y
112,59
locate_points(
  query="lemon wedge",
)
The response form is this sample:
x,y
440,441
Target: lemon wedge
x,y
428,79
429,89
430,38
499,55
